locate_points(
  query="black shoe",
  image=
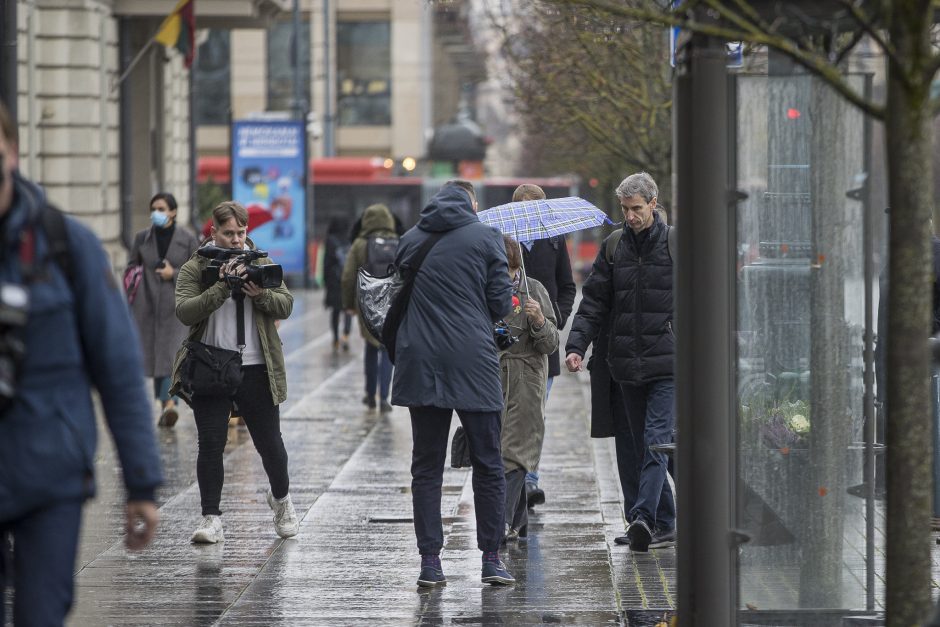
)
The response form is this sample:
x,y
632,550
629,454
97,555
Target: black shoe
x,y
663,539
431,577
496,573
368,401
640,536
623,540
534,495
385,407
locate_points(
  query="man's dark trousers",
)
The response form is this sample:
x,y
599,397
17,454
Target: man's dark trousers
x,y
430,427
649,420
46,542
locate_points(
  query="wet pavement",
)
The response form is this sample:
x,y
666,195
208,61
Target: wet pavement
x,y
354,560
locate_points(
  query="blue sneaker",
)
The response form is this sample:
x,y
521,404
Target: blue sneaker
x,y
431,577
496,573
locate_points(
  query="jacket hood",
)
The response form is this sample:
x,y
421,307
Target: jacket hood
x,y
449,209
376,218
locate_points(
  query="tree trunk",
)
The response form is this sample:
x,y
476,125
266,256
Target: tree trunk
x,y
908,426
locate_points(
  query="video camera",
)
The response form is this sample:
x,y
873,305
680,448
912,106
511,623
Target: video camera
x,y
266,276
503,336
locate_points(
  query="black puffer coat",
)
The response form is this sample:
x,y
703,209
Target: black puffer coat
x,y
636,292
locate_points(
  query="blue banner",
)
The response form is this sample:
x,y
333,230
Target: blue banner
x,y
268,161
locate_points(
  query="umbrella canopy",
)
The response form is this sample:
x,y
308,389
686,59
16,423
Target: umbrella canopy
x,y
528,220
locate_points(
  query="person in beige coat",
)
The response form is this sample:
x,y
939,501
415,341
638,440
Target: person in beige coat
x,y
524,373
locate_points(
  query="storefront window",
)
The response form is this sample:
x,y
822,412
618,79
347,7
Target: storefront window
x,y
281,66
212,76
363,73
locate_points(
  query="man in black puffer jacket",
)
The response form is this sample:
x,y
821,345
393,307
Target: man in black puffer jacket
x,y
634,292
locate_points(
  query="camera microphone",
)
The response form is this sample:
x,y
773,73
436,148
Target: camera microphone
x,y
214,252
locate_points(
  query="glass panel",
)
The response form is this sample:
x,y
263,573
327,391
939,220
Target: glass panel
x,y
363,73
212,80
800,364
281,65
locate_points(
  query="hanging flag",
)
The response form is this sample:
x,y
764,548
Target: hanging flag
x,y
178,30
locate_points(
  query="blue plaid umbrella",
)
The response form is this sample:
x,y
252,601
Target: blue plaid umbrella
x,y
529,220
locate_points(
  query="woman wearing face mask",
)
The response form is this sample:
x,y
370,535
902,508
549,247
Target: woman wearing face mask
x,y
160,249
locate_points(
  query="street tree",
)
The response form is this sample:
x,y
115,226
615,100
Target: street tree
x,y
819,36
594,97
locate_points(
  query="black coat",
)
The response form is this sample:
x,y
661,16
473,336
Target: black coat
x,y
636,293
445,355
548,263
333,260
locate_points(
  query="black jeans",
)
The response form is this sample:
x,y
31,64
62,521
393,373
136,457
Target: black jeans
x,y
263,419
429,428
335,313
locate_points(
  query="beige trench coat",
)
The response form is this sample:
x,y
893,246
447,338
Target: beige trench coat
x,y
524,375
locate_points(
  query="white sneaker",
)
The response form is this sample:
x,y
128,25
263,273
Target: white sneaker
x,y
209,531
285,519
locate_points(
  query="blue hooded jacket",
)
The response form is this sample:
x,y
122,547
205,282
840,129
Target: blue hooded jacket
x,y
78,334
445,355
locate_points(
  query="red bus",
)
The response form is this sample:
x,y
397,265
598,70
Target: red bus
x,y
342,187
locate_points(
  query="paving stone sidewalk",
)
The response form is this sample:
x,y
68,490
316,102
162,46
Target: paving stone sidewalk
x,y
354,561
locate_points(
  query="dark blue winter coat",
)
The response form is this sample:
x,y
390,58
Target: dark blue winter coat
x,y
78,335
635,293
445,355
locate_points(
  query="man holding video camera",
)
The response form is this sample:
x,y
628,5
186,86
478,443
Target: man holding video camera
x,y
230,295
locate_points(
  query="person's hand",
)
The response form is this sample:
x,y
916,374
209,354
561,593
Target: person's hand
x,y
533,312
351,312
251,290
142,519
166,272
573,361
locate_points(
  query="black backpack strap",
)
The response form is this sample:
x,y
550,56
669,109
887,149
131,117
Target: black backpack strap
x,y
414,264
610,245
671,242
52,222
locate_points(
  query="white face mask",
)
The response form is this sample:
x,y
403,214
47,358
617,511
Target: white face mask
x,y
159,218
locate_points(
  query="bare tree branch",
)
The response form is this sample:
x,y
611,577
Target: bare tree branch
x,y
813,62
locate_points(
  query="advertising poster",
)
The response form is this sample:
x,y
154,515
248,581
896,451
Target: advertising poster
x,y
268,161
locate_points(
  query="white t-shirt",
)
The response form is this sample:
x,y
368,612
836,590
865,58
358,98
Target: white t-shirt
x,y
222,332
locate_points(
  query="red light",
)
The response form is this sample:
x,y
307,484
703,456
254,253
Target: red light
x,y
593,182
793,113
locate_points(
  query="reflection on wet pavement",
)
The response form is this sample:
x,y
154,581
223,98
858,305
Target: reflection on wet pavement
x,y
355,561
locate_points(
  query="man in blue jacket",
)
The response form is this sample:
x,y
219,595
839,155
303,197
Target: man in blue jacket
x,y
446,360
77,333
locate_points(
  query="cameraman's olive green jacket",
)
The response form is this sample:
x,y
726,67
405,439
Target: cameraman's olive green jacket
x,y
194,306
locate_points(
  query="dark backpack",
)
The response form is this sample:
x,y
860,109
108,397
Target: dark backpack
x,y
380,254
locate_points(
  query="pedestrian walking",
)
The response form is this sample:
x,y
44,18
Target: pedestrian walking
x,y
524,376
632,290
547,261
160,250
334,260
374,249
65,329
446,360
210,311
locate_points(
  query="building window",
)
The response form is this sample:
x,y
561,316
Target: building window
x,y
212,80
281,66
363,74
